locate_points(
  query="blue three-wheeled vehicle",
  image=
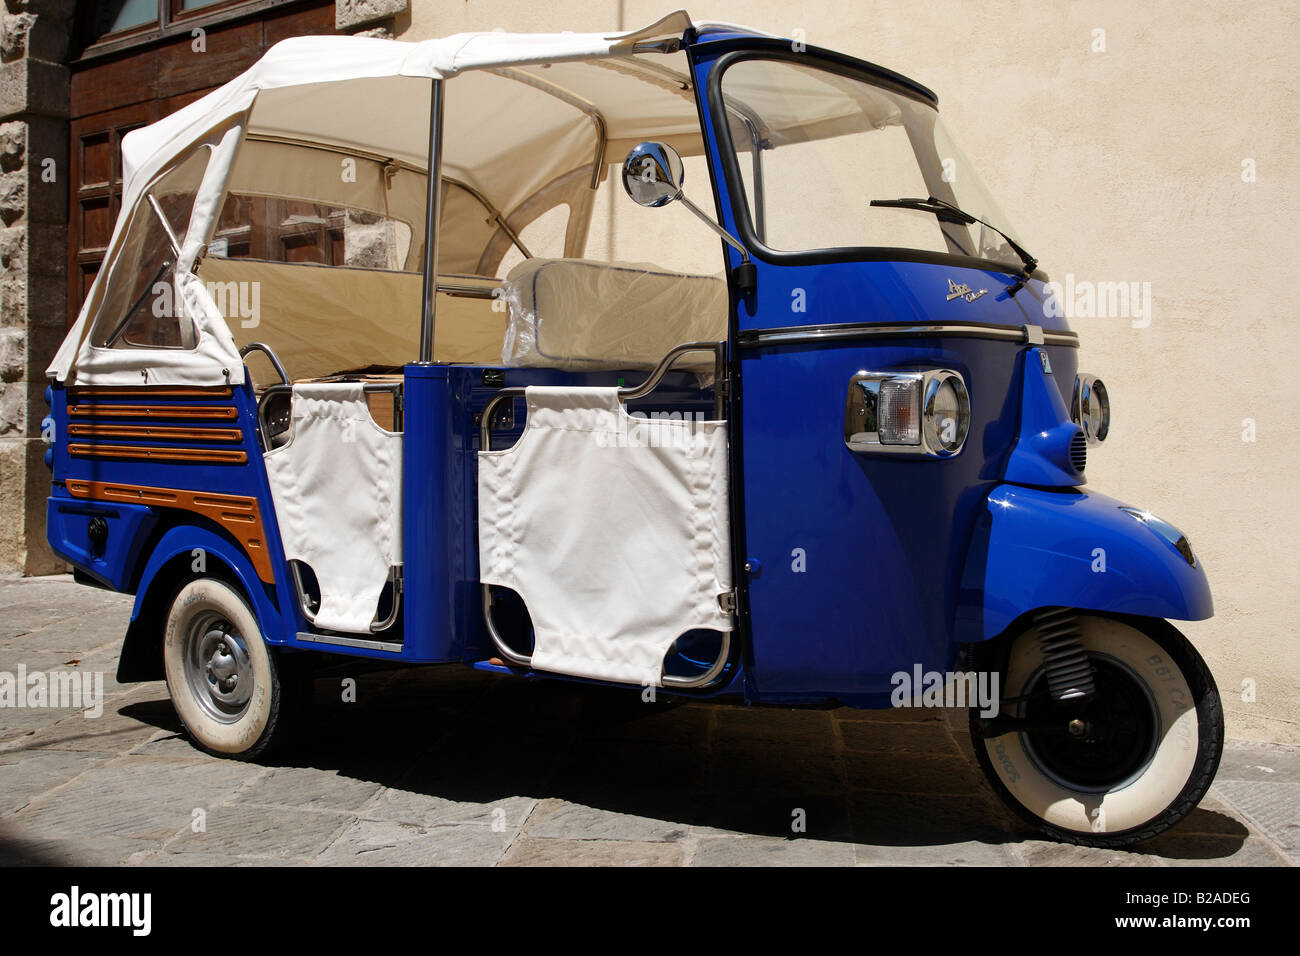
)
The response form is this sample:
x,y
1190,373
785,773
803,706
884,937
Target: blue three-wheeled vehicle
x,y
391,355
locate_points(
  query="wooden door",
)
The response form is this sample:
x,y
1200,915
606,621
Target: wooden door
x,y
125,88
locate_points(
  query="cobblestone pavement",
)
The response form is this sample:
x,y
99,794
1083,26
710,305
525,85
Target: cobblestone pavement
x,y
449,766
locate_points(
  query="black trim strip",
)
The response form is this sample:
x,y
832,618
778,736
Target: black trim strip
x,y
765,46
811,334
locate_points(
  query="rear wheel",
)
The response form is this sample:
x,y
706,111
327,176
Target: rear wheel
x,y
1126,765
234,696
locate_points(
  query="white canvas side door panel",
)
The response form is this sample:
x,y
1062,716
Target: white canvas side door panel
x,y
337,488
613,529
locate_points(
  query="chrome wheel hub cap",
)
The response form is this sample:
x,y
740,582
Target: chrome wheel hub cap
x,y
217,667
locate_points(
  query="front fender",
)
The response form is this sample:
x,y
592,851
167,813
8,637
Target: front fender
x,y
1037,548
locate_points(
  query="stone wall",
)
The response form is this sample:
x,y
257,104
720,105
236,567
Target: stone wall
x,y
375,18
33,255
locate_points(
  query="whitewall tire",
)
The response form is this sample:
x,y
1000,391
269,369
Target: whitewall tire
x,y
229,689
1127,765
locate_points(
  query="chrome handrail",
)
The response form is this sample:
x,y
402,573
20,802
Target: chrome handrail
x,y
628,393
271,356
366,387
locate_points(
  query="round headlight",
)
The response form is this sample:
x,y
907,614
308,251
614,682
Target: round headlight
x,y
1091,410
945,413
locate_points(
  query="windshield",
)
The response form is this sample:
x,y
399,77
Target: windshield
x,y
815,147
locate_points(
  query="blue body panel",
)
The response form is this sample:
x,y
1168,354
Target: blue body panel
x,y
132,543
68,520
1041,455
1039,548
180,541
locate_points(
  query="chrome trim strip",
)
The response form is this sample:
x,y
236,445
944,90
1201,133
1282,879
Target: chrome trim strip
x,y
797,335
388,646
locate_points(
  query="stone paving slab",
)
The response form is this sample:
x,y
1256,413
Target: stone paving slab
x,y
386,843
452,767
240,830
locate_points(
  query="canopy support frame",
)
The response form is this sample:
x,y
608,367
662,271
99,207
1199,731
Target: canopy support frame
x,y
432,221
572,99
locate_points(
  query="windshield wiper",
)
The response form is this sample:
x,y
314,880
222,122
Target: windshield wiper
x,y
947,212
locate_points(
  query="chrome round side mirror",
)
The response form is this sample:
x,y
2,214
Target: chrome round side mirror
x,y
653,174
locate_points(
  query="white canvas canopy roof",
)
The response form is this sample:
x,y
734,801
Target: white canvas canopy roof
x,y
371,97
526,112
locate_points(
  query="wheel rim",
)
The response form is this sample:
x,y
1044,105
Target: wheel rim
x,y
1101,746
217,667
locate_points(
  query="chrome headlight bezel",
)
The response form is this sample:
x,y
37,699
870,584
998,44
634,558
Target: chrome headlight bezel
x,y
862,432
1090,407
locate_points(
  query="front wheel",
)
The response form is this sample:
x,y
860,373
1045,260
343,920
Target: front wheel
x,y
234,697
1122,767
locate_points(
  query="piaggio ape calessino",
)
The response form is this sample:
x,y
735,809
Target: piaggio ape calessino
x,y
362,375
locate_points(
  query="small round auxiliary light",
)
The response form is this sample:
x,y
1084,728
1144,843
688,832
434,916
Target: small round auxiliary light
x,y
1091,410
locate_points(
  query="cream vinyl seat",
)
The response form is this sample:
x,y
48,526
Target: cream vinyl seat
x,y
581,314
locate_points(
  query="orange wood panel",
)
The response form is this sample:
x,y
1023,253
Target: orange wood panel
x,y
222,413
211,456
238,514
154,432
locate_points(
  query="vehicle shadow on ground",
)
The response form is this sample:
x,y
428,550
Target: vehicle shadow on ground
x,y
882,779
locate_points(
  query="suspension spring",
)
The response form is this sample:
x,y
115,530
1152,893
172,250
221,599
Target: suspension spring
x,y
1069,672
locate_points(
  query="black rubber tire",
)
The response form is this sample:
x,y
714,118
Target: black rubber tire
x,y
999,768
280,701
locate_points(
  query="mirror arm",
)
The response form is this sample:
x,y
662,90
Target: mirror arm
x,y
708,221
745,275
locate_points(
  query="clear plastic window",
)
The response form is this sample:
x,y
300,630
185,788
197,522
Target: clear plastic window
x,y
139,306
275,229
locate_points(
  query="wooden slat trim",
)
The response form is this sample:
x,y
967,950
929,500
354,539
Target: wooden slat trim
x,y
212,456
238,514
78,392
221,413
153,432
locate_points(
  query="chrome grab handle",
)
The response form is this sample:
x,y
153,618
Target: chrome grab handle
x,y
625,394
631,392
366,387
271,356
